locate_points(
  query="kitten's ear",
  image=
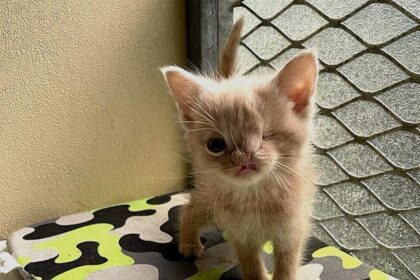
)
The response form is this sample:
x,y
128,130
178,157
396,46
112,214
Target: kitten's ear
x,y
184,87
298,80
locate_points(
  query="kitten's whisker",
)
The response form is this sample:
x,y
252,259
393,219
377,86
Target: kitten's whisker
x,y
178,155
198,173
285,179
288,157
168,177
287,168
204,117
279,178
293,172
205,111
210,123
275,177
234,142
192,174
279,164
200,122
187,175
198,167
282,149
286,185
198,129
194,110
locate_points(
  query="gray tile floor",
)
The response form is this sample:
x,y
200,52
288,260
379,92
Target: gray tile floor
x,y
367,129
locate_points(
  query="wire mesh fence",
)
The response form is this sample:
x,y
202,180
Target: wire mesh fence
x,y
368,102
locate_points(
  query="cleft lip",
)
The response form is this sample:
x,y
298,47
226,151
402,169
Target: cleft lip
x,y
249,166
245,169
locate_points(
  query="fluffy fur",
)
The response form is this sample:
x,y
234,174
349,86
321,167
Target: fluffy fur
x,y
260,186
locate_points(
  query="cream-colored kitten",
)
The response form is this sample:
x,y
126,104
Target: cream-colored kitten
x,y
249,142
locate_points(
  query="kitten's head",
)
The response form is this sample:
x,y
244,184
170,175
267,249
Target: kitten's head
x,y
245,129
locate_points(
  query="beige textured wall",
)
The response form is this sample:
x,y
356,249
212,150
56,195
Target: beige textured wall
x,y
85,119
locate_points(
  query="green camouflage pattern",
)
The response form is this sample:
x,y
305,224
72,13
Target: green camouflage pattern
x,y
138,240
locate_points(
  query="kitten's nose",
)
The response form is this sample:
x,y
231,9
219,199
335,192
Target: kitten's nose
x,y
240,158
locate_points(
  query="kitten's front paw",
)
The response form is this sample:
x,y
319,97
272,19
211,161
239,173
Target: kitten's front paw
x,y
188,250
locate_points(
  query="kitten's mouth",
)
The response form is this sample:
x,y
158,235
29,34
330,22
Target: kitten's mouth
x,y
247,169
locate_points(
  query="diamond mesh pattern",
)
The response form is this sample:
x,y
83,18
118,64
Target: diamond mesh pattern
x,y
367,127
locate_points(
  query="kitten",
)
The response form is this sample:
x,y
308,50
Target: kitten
x,y
248,137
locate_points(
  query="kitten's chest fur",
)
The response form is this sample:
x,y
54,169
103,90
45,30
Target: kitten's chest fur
x,y
256,224
261,213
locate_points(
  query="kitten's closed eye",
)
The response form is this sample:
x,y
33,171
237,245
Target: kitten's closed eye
x,y
269,135
216,145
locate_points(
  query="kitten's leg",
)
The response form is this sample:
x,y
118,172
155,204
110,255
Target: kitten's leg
x,y
191,222
286,264
250,260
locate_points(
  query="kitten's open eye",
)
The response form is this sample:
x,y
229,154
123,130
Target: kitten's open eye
x,y
216,145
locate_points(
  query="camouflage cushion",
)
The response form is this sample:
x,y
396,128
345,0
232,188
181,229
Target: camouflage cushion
x,y
137,240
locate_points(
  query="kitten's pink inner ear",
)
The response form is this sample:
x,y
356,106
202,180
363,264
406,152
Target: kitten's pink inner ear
x,y
298,79
183,87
